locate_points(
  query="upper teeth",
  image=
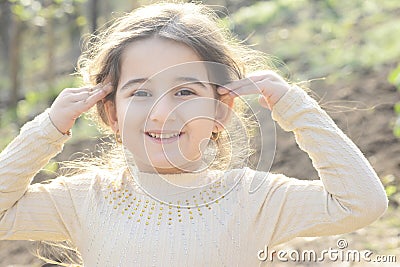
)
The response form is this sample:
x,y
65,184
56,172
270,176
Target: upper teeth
x,y
163,135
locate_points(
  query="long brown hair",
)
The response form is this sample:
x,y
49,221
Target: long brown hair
x,y
192,24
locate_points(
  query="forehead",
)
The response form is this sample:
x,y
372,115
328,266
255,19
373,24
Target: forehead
x,y
162,59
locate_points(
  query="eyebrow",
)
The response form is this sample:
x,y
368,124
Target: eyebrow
x,y
186,80
133,82
191,80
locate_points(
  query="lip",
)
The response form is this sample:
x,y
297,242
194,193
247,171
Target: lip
x,y
163,140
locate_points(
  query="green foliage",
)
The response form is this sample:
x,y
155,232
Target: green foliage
x,y
34,102
333,38
392,189
245,16
51,167
321,38
394,78
8,127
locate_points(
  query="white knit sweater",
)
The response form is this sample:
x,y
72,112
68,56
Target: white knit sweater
x,y
113,222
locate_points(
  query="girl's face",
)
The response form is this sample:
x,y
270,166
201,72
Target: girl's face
x,y
164,107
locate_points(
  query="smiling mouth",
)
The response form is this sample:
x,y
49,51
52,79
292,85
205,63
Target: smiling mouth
x,y
163,136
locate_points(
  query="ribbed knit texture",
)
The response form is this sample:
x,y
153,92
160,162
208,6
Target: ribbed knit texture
x,y
141,219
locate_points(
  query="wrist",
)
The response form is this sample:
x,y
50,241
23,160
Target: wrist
x,y
64,132
273,99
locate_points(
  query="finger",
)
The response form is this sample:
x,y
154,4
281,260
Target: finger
x,y
98,95
243,82
86,88
231,87
78,90
79,96
107,87
83,93
267,87
252,78
249,89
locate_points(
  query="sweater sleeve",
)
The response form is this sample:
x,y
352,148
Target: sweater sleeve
x,y
349,194
32,211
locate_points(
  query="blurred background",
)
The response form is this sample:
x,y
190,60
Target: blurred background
x,y
346,52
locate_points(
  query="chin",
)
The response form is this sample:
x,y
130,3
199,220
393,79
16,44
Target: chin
x,y
165,165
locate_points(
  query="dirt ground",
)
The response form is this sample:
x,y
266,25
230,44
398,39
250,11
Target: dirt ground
x,y
369,126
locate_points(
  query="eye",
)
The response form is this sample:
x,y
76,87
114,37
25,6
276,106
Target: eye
x,y
140,93
184,92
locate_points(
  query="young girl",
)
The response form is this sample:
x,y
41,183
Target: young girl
x,y
166,79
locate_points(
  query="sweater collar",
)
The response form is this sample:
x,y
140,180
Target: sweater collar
x,y
184,189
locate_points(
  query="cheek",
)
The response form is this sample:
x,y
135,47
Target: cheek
x,y
131,113
198,137
200,129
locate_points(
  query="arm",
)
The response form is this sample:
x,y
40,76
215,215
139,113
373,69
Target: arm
x,y
30,151
37,143
42,211
348,196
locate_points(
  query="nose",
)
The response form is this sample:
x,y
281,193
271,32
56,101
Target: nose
x,y
163,110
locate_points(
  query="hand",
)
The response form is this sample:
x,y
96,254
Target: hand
x,y
72,102
268,84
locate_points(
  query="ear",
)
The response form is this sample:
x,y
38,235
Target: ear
x,y
111,113
223,112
